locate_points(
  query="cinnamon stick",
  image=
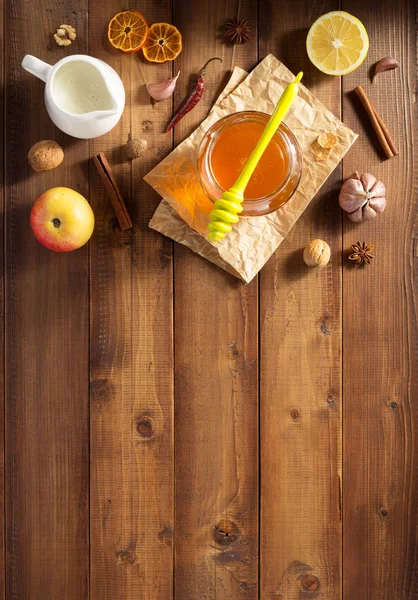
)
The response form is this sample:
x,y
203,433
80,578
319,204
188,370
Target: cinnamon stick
x,y
382,132
386,132
113,191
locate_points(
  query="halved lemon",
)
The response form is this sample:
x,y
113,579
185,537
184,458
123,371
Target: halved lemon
x,y
127,31
337,43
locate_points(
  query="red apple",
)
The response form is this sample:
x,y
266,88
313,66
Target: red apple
x,y
62,219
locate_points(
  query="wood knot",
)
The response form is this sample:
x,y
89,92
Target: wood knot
x,y
294,414
161,150
100,391
331,399
325,330
123,238
233,348
147,125
125,558
393,405
310,583
298,577
166,536
226,532
145,426
383,513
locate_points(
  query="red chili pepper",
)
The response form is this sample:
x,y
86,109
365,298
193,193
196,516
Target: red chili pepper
x,y
194,98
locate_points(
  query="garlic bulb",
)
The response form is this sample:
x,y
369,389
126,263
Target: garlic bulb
x,y
163,90
362,196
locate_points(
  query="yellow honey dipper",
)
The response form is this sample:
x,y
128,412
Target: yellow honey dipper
x,y
227,209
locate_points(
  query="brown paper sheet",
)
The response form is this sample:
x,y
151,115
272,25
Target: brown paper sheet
x,y
183,215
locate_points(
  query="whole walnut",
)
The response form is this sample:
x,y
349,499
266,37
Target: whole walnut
x,y
317,253
45,156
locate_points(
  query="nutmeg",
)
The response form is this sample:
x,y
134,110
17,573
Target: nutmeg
x,y
317,253
135,148
45,156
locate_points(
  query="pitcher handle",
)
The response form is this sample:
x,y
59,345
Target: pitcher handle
x,y
37,67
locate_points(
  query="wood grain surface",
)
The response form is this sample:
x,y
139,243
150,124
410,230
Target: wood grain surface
x,y
170,433
46,335
131,385
216,391
300,382
380,340
2,306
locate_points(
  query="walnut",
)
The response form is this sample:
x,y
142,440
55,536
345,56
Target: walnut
x,y
317,253
65,35
61,41
70,31
45,156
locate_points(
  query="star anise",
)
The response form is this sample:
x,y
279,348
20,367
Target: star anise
x,y
362,253
236,31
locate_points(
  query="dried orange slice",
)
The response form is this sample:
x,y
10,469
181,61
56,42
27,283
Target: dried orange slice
x,y
163,43
127,31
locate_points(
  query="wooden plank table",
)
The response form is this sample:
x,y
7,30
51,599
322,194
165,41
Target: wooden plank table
x,y
168,431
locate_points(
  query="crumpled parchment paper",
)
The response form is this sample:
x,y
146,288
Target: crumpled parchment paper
x,y
183,214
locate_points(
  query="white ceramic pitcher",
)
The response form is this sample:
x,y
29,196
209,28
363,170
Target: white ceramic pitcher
x,y
84,96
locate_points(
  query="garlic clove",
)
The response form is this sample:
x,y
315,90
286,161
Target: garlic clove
x,y
163,90
368,213
385,64
378,204
356,216
368,181
378,189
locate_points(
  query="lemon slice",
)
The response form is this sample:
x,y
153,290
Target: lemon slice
x,y
337,43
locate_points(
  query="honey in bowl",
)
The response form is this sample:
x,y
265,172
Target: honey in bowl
x,y
231,152
224,151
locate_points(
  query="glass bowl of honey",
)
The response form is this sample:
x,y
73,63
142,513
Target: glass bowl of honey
x,y
224,151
